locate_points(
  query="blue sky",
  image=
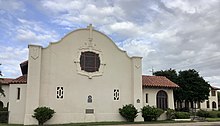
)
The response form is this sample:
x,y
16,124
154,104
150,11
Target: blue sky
x,y
178,34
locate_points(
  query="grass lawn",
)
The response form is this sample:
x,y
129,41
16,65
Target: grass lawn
x,y
3,124
104,123
212,119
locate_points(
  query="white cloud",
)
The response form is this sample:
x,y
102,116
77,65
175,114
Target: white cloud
x,y
168,34
11,5
189,6
124,29
10,59
175,33
214,80
58,6
33,32
82,12
137,47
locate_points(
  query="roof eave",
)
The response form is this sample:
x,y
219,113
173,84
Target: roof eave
x,y
169,87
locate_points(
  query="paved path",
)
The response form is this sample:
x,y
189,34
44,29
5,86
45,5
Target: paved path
x,y
177,124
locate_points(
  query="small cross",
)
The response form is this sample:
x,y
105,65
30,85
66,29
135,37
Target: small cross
x,y
152,70
90,32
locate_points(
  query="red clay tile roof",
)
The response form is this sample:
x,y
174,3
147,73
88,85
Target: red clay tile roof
x,y
20,80
157,81
5,80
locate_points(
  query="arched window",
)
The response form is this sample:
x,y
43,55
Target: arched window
x,y
213,105
89,99
89,61
207,104
162,100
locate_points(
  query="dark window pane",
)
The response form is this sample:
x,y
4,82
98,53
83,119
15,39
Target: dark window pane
x,y
162,100
89,111
19,92
207,104
89,99
213,104
213,92
146,98
89,61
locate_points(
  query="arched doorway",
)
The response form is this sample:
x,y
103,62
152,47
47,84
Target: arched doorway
x,y
213,105
162,100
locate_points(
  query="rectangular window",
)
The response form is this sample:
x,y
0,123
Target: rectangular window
x,y
60,91
199,105
146,98
213,93
116,94
18,93
89,111
207,104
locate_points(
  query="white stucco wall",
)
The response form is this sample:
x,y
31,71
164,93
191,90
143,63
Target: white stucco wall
x,y
56,65
5,99
211,99
152,96
17,106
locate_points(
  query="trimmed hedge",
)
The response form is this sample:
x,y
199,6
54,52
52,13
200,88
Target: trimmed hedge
x,y
213,114
208,114
202,113
129,112
151,113
4,116
182,115
42,114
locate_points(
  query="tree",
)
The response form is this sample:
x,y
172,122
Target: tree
x,y
170,74
1,90
193,88
0,71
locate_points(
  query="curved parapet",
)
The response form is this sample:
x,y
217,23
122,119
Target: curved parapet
x,y
91,30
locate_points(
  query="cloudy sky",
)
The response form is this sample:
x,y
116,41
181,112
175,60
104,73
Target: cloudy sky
x,y
178,34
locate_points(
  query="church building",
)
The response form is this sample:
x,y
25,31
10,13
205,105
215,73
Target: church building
x,y
84,77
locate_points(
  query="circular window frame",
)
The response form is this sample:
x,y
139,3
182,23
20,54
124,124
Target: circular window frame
x,y
89,61
90,75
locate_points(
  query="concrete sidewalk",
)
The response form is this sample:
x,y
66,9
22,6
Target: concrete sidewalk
x,y
176,124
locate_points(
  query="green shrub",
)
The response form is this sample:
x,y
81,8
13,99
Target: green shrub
x,y
42,114
209,114
185,109
218,114
170,114
213,114
182,115
129,112
3,116
202,113
151,113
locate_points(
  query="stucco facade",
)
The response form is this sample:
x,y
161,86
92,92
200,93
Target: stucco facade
x,y
58,66
56,78
152,94
17,103
212,102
